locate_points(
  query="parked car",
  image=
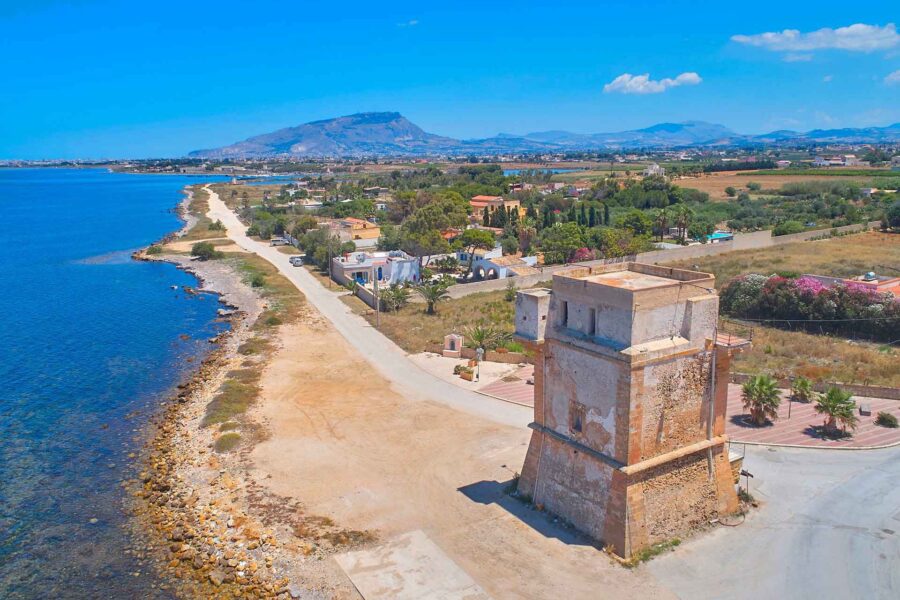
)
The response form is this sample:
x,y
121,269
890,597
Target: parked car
x,y
278,241
297,261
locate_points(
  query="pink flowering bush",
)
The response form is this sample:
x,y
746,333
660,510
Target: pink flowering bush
x,y
851,309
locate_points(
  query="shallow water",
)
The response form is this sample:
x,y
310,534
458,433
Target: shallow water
x,y
90,343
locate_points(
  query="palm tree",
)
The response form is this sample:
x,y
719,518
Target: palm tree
x,y
661,220
761,398
802,390
395,297
432,292
486,336
839,408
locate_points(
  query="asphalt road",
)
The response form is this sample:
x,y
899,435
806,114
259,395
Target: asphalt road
x,y
381,352
828,527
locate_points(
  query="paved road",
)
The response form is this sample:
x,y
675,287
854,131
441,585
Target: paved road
x,y
382,353
829,527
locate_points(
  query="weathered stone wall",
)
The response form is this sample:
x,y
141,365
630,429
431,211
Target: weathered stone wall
x,y
678,496
673,397
574,486
575,380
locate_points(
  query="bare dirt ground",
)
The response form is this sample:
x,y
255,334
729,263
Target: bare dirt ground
x,y
714,184
349,447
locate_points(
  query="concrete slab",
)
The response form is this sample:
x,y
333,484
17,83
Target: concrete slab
x,y
410,567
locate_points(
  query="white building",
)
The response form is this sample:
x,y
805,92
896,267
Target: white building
x,y
654,169
388,268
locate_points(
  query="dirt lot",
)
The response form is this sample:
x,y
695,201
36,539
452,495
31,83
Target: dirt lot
x,y
352,449
714,184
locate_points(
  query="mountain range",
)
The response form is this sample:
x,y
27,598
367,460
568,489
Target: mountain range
x,y
392,134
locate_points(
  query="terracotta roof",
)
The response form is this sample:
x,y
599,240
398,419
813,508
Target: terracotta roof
x,y
481,198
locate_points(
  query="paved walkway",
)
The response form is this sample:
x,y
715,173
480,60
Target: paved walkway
x,y
801,429
518,391
382,353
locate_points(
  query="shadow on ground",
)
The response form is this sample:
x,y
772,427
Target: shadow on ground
x,y
745,422
498,492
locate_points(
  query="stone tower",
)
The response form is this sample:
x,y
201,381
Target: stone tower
x,y
628,439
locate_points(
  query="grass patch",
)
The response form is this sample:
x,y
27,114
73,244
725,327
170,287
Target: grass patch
x,y
229,426
651,552
198,206
782,353
227,442
255,345
233,398
285,302
414,331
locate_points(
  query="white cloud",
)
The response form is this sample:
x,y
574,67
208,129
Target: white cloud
x,y
828,78
410,23
796,57
893,78
854,38
626,83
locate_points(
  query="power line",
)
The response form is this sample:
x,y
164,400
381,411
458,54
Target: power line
x,y
813,320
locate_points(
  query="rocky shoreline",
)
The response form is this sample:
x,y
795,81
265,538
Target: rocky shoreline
x,y
186,500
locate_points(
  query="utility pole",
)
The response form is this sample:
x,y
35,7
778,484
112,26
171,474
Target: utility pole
x,y
377,305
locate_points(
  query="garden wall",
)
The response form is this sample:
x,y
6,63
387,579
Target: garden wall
x,y
741,241
868,391
490,355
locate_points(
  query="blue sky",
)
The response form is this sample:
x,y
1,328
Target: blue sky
x,y
94,78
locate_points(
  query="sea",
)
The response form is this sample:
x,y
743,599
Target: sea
x,y
91,343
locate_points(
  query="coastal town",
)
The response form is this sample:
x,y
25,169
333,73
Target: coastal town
x,y
384,308
417,301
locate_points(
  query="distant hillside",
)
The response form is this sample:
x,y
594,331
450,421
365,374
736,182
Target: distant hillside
x,y
391,134
383,133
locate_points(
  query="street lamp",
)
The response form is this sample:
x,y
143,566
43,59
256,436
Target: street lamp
x,y
479,354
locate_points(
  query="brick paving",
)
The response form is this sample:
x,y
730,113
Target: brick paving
x,y
800,429
517,391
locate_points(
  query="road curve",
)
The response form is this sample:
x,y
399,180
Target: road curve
x,y
828,527
381,352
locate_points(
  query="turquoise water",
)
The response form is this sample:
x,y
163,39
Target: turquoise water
x,y
509,172
90,343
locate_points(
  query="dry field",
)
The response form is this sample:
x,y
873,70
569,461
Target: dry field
x,y
413,330
839,257
714,184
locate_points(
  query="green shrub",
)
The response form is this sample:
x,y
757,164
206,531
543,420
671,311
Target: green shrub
x,y
886,419
217,226
227,442
205,251
257,280
788,227
154,249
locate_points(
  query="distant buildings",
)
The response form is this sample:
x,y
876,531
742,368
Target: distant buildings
x,y
783,164
846,160
492,203
654,169
350,229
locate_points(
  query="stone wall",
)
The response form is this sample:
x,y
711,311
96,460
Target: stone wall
x,y
868,391
741,241
674,397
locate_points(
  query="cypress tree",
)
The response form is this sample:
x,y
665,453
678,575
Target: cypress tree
x,y
606,214
592,217
582,218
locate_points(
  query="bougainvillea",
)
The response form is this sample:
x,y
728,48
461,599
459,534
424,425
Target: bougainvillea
x,y
851,309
